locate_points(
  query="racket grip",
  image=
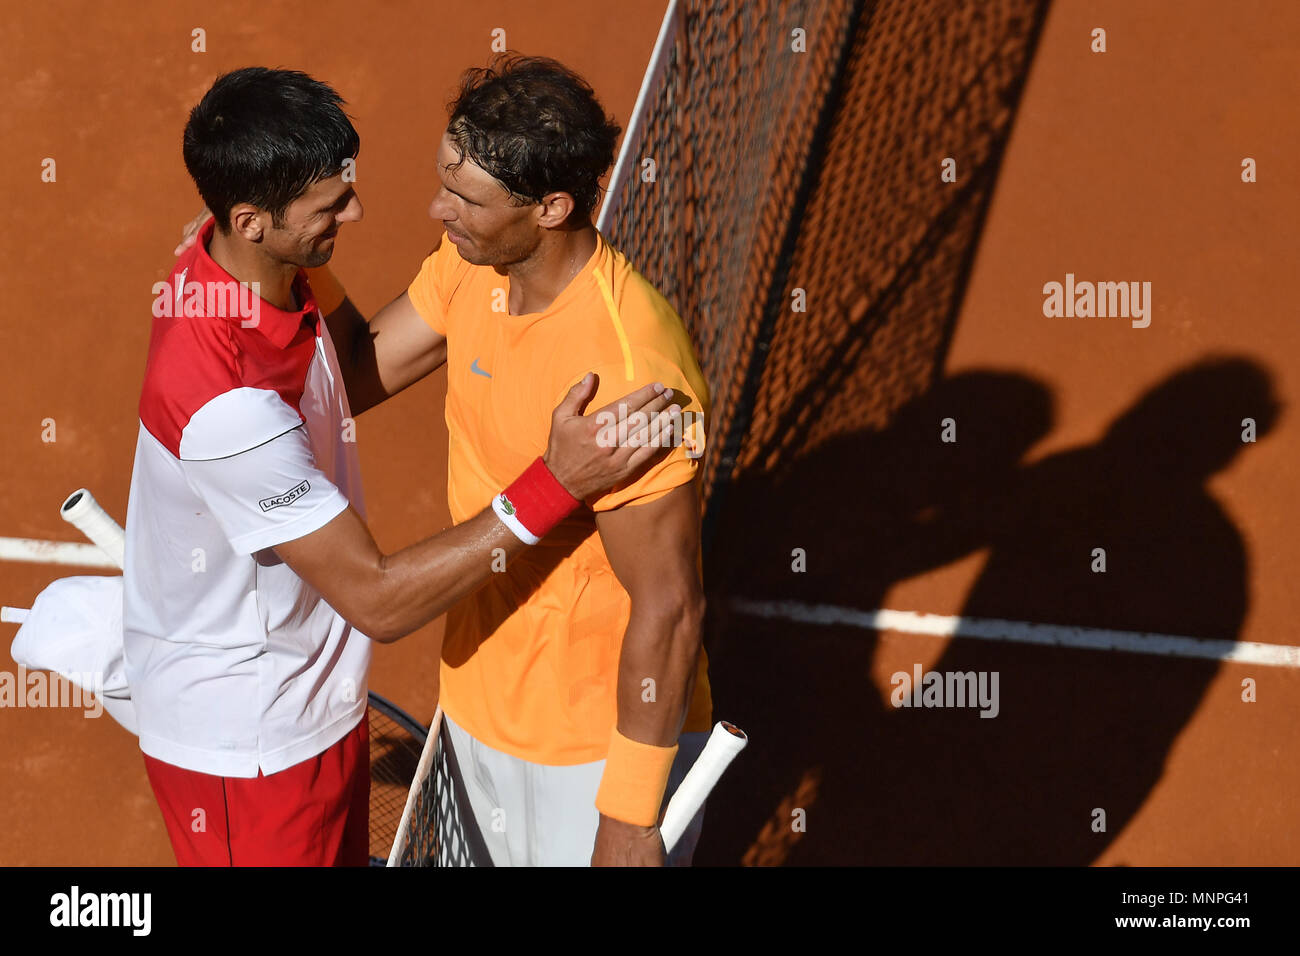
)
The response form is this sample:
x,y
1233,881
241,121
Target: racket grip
x,y
724,743
83,512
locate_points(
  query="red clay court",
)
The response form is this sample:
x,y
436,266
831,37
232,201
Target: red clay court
x,y
833,497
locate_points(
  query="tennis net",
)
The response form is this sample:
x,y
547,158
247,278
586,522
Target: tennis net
x,y
786,155
700,199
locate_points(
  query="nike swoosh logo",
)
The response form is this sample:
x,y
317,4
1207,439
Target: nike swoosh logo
x,y
473,367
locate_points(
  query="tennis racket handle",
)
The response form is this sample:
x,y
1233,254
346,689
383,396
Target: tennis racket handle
x,y
724,743
83,512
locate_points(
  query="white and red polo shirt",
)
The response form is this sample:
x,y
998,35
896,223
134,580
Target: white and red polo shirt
x,y
235,663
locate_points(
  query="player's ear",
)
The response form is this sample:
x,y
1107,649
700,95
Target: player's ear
x,y
556,208
246,222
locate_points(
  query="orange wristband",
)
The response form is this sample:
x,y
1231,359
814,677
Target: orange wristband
x,y
635,778
326,288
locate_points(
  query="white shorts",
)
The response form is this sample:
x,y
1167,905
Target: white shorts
x,y
530,814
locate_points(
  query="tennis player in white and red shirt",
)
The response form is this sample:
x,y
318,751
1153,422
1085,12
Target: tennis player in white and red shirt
x,y
251,580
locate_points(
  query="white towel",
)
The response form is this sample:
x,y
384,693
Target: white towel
x,y
74,629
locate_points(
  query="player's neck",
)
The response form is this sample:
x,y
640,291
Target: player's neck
x,y
538,281
240,259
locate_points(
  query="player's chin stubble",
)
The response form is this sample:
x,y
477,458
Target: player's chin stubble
x,y
317,256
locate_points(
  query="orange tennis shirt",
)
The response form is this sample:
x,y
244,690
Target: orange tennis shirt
x,y
530,661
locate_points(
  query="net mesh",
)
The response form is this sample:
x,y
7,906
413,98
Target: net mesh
x,y
724,140
437,833
395,744
884,244
819,171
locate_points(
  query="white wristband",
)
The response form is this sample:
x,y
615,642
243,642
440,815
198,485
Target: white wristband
x,y
506,512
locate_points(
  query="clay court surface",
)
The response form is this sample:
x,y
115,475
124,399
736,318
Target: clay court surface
x,y
1077,433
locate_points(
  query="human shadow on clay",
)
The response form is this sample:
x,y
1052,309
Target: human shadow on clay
x,y
1075,730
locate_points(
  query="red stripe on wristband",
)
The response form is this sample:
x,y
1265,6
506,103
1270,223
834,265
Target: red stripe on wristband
x,y
539,500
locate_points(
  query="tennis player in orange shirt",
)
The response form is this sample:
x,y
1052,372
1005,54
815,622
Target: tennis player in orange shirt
x,y
574,683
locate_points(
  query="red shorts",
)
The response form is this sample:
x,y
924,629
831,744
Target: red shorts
x,y
315,813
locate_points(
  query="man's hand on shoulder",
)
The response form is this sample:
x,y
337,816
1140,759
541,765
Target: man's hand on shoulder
x,y
590,454
190,234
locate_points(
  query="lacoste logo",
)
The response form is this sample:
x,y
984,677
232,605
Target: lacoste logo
x,y
506,506
288,498
473,367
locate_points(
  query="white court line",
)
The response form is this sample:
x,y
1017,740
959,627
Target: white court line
x,y
906,622
54,552
1022,632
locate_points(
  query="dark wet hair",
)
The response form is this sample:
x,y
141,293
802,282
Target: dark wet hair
x,y
264,137
537,127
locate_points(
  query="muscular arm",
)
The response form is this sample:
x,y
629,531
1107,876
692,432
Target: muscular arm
x,y
389,596
386,596
653,549
381,357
